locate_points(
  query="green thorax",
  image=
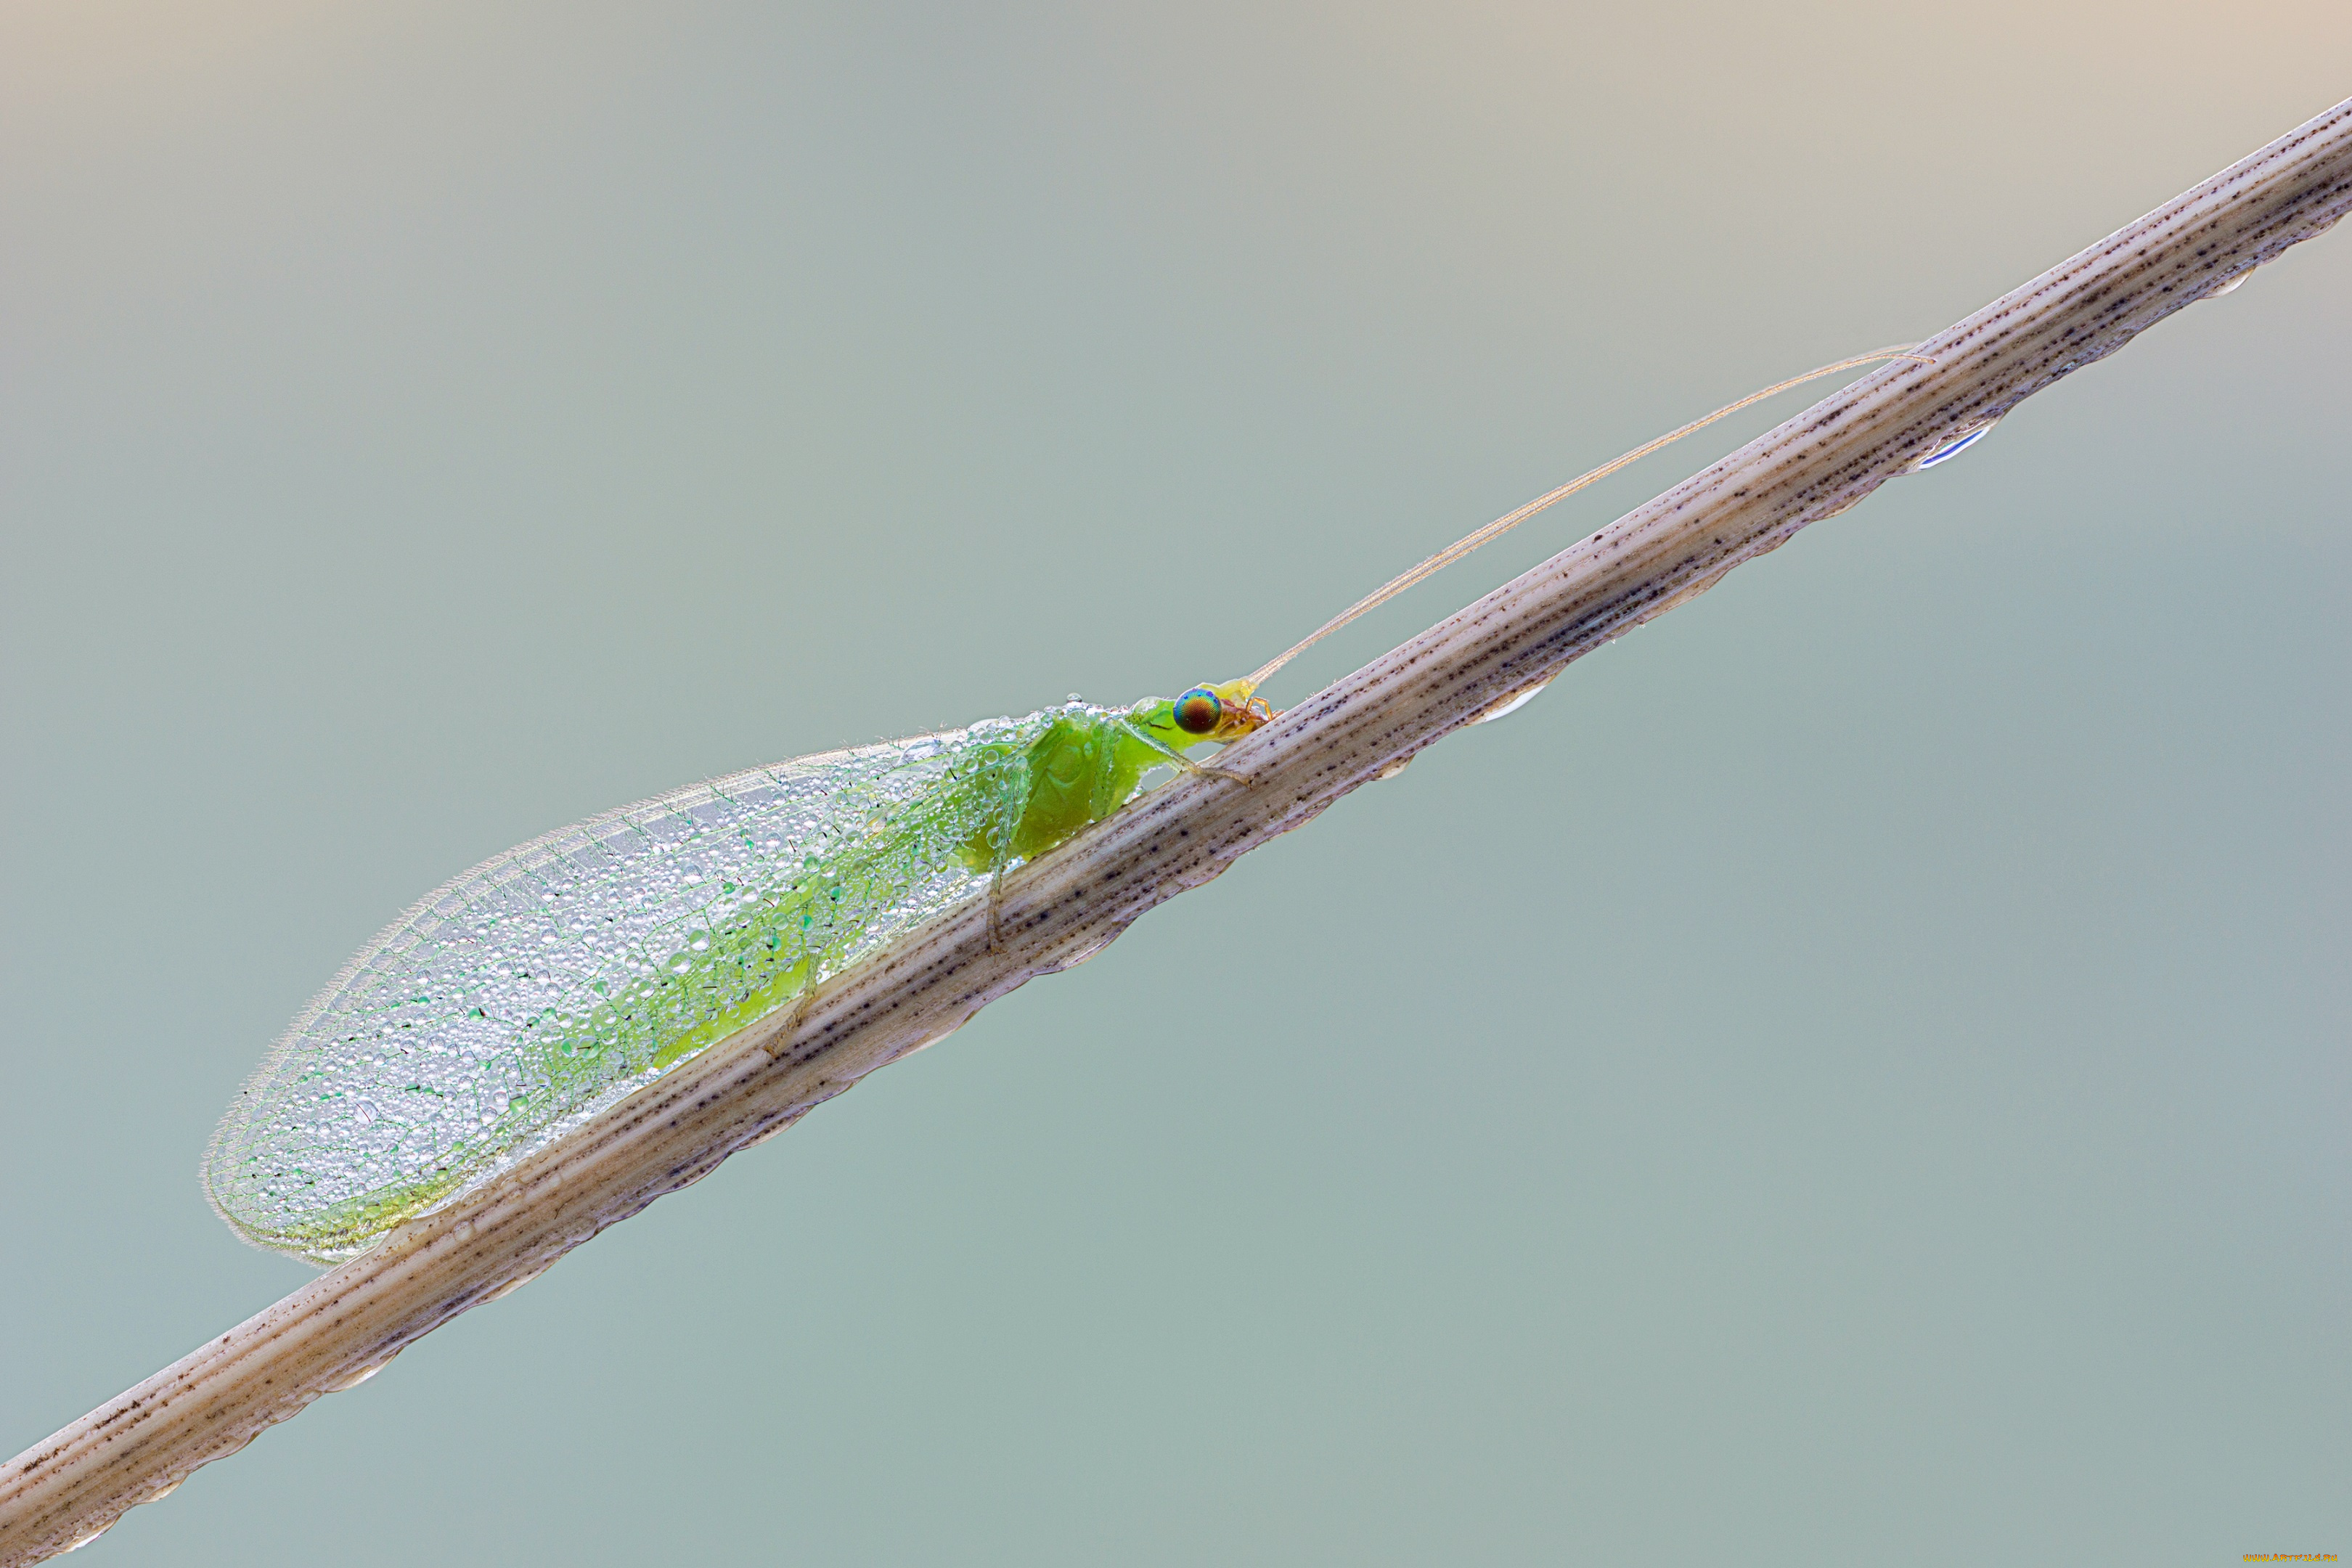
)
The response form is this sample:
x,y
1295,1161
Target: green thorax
x,y
1085,765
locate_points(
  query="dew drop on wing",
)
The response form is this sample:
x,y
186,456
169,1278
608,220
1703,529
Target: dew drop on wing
x,y
2233,282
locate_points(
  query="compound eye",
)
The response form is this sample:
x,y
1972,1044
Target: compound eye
x,y
1197,711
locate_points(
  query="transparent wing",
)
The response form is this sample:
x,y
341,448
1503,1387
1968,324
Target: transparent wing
x,y
537,989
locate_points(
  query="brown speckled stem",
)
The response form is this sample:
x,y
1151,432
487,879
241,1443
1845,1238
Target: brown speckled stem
x,y
1071,903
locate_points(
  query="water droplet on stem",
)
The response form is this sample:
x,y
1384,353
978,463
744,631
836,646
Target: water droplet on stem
x,y
1954,445
350,1380
1511,704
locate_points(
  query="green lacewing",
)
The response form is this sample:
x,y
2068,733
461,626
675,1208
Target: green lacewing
x,y
528,994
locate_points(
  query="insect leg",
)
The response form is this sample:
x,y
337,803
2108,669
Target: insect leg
x,y
779,1040
1177,758
1012,803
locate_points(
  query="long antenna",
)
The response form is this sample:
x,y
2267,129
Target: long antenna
x,y
1510,520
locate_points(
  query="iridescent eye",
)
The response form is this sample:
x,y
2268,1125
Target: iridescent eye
x,y
1198,711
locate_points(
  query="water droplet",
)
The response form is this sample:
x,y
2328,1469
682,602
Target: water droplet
x,y
511,1285
1953,446
1071,960
353,1379
1393,767
78,1542
1511,704
167,1490
2234,281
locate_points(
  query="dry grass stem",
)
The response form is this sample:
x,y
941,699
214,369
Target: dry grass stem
x,y
345,1324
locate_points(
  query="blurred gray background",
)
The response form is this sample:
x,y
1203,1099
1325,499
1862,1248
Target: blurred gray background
x,y
1856,1073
